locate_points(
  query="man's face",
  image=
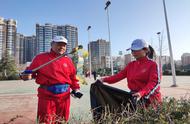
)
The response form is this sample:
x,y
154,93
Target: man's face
x,y
58,47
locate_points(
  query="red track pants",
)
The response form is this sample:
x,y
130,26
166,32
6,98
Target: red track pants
x,y
52,109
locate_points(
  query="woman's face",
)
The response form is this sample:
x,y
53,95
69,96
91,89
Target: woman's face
x,y
139,53
59,47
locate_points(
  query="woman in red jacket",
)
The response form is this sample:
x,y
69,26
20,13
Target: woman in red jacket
x,y
142,75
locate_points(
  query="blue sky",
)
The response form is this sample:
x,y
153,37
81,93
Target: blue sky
x,y
129,20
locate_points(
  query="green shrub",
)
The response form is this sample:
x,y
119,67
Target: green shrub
x,y
171,111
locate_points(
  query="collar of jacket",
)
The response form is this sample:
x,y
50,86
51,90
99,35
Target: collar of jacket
x,y
143,59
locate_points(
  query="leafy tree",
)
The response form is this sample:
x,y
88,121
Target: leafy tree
x,y
75,59
85,66
8,69
103,71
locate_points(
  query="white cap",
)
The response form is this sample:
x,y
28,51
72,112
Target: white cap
x,y
139,44
59,39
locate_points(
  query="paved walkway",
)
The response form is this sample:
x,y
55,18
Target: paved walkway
x,y
18,98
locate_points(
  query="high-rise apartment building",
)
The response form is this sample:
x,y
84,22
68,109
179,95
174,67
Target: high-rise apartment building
x,y
29,50
185,58
40,38
71,33
3,29
26,48
48,35
44,34
100,54
11,37
20,48
8,29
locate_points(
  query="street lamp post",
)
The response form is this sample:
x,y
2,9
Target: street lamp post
x,y
89,48
160,50
106,8
170,47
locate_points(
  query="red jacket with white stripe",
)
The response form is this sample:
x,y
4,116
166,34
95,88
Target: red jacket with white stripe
x,y
142,76
59,71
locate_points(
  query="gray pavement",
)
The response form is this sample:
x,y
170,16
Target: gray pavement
x,y
19,98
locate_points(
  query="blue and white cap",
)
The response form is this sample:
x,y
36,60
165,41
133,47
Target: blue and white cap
x,y
59,39
138,44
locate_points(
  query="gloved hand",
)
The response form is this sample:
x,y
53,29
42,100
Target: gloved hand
x,y
76,94
26,75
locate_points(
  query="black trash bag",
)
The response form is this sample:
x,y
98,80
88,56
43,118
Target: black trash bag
x,y
105,99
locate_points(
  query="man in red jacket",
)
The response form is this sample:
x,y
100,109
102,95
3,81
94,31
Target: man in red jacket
x,y
55,81
142,75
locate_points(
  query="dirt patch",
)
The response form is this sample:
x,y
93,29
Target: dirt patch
x,y
18,109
